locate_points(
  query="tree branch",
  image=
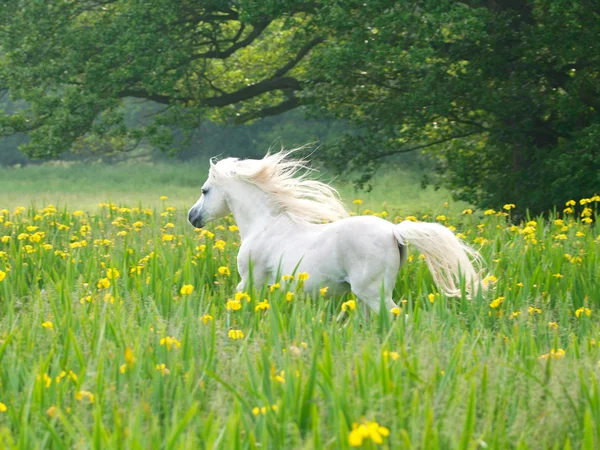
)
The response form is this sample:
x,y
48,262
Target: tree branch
x,y
282,107
430,144
218,54
301,54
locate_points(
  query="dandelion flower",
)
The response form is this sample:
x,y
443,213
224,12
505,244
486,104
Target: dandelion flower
x,y
224,270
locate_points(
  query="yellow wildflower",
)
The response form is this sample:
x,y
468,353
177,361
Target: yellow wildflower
x,y
349,305
3,407
582,310
497,302
395,311
553,325
48,325
167,237
187,289
467,211
554,354
233,228
489,212
303,276
224,270
170,342
219,245
239,296
235,334
162,368
324,290
233,305
2,275
367,431
274,286
206,318
509,206
489,279
357,201
112,274
103,283
570,203
80,395
262,305
289,296
162,198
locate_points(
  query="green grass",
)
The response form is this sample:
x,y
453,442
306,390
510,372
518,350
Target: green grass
x,y
84,186
81,363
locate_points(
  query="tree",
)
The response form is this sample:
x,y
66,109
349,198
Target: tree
x,y
504,94
74,61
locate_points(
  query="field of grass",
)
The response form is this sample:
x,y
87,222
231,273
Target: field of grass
x,y
119,328
84,186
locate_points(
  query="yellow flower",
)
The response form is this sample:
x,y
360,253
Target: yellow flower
x,y
489,212
274,286
287,277
233,305
112,274
186,289
224,270
103,283
554,354
532,310
303,276
509,206
239,296
323,291
553,325
349,305
162,368
170,342
357,201
163,198
431,298
489,279
235,334
468,211
129,358
262,305
497,302
441,218
51,412
570,203
206,318
395,311
289,296
167,237
365,431
219,245
582,310
2,275
233,228
48,325
3,407
80,395
558,275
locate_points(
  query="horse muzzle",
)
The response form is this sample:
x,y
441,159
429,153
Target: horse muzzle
x,y
195,219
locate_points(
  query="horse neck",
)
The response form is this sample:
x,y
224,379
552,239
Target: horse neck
x,y
251,209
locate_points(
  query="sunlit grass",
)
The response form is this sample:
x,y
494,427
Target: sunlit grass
x,y
119,328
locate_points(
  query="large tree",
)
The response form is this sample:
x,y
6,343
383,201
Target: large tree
x,y
74,61
505,94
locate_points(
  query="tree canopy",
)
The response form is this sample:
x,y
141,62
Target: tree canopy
x,y
503,94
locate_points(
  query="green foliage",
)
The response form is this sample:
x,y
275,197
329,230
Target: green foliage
x,y
74,62
504,94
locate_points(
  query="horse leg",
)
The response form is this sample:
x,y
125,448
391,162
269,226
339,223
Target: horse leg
x,y
369,292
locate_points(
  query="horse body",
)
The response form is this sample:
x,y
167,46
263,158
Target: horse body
x,y
276,213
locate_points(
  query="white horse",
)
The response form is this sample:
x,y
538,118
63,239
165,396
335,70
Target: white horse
x,y
281,213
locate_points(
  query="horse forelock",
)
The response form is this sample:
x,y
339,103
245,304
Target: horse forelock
x,y
303,199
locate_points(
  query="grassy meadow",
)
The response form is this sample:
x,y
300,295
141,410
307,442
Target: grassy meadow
x,y
120,328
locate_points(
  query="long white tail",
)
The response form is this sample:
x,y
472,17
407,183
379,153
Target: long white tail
x,y
446,255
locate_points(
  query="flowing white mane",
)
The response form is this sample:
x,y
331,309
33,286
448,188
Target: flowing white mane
x,y
292,193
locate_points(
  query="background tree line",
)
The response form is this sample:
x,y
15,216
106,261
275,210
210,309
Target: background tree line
x,y
502,94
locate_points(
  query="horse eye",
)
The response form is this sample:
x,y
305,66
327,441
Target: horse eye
x,y
204,191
